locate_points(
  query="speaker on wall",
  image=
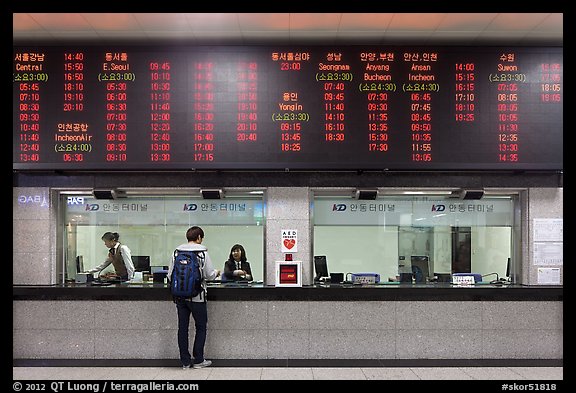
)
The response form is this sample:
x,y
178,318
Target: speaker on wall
x,y
211,194
104,193
366,194
471,194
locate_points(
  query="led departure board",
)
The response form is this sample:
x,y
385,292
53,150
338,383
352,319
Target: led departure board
x,y
278,108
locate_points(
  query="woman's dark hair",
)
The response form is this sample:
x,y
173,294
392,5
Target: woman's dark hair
x,y
242,252
111,236
193,232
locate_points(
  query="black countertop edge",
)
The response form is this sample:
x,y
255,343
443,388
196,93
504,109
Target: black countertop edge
x,y
293,363
308,293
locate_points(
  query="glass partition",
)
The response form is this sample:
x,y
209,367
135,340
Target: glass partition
x,y
155,226
415,238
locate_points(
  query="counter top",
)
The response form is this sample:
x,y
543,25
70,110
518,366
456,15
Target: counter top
x,y
260,292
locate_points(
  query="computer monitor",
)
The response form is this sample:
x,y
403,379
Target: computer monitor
x,y
79,264
420,267
321,267
443,277
141,263
158,269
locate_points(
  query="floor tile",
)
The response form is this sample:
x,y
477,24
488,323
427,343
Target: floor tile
x,y
540,373
338,373
238,374
287,374
440,373
390,373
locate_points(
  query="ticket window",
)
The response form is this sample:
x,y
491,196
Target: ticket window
x,y
142,225
383,235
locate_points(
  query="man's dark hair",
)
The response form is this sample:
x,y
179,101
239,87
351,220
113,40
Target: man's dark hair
x,y
193,232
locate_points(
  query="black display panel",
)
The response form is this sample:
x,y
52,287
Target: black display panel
x,y
277,108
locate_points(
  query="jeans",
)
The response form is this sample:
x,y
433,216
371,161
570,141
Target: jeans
x,y
199,312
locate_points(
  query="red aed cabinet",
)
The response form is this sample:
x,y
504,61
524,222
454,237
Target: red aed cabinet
x,y
288,274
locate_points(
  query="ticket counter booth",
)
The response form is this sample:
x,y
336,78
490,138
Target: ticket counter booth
x,y
153,225
389,320
420,238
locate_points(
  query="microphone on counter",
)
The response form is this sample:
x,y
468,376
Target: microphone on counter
x,y
497,281
98,279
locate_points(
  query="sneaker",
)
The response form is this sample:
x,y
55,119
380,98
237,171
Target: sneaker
x,y
205,363
185,366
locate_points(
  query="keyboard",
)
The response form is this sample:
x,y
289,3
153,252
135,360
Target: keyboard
x,y
107,281
100,283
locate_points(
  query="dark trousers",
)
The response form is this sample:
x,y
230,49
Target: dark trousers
x,y
199,312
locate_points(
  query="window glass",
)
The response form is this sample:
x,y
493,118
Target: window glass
x,y
424,237
155,226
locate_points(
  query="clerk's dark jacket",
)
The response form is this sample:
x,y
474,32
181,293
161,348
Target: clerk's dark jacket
x,y
230,266
118,262
120,257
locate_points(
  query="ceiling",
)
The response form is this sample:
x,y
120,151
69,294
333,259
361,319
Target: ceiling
x,y
523,29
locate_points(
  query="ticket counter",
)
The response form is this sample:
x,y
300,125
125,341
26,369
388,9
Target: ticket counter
x,y
402,321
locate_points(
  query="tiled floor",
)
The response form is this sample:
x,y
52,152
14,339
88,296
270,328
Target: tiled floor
x,y
289,373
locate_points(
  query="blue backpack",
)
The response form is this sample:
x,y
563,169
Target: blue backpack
x,y
186,280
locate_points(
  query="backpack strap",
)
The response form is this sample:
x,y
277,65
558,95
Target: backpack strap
x,y
201,261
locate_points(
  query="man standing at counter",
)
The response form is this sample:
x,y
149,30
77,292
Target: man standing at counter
x,y
194,305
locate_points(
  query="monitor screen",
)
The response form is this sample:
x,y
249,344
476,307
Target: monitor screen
x,y
79,264
141,263
158,269
420,267
321,267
